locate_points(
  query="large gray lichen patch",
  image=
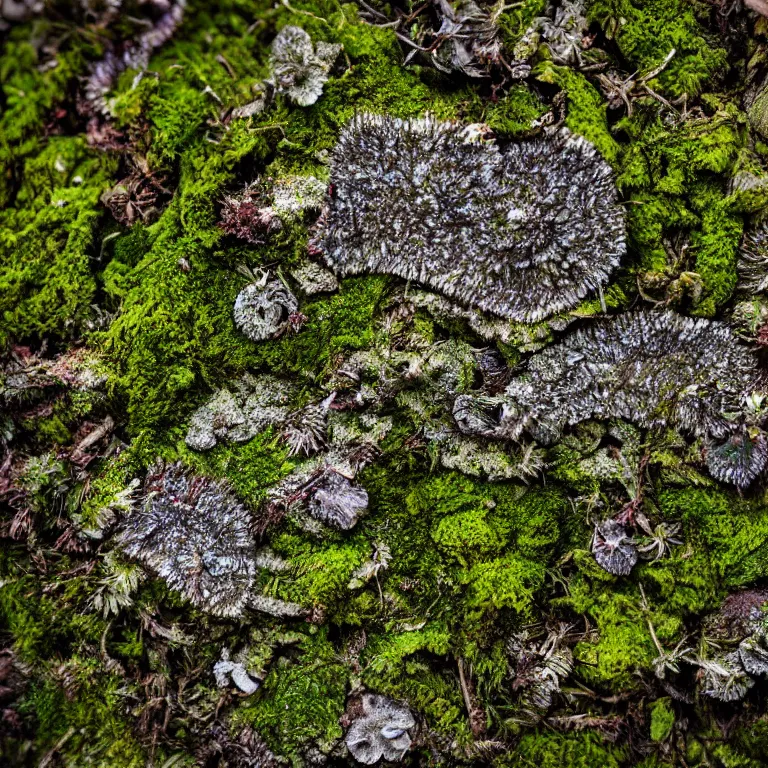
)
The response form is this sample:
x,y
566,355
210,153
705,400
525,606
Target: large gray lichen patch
x,y
522,233
653,369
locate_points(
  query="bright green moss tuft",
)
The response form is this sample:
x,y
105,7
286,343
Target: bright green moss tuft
x,y
554,750
513,115
624,643
466,535
586,110
301,699
662,719
647,31
47,248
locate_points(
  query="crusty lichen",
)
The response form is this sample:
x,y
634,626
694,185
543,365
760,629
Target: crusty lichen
x,y
523,234
196,536
652,369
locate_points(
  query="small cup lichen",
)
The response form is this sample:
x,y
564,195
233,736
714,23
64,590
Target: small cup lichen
x,y
522,233
196,535
382,730
263,310
299,69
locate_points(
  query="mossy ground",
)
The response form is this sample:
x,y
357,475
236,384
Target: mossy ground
x,y
471,561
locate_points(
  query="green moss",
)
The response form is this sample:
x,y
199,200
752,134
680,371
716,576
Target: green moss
x,y
397,665
517,19
301,700
323,575
673,179
647,31
43,625
733,531
104,496
466,535
715,247
251,468
47,280
89,728
545,749
513,115
30,91
624,643
506,582
471,562
662,719
586,110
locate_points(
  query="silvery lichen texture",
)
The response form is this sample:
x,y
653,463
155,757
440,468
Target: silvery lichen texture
x,y
299,69
337,501
381,730
238,413
196,535
262,310
741,625
523,233
235,670
650,368
613,548
753,261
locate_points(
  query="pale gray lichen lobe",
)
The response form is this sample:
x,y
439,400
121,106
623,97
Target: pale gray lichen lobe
x,y
382,730
263,311
523,233
300,69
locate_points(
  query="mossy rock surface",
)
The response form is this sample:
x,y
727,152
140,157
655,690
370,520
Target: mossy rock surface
x,y
468,589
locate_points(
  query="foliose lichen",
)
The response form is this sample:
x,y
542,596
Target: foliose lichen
x,y
263,309
235,670
380,730
299,69
337,501
614,548
196,535
523,233
236,416
653,369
